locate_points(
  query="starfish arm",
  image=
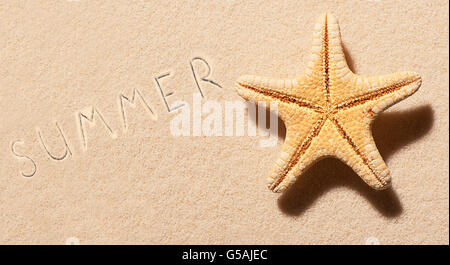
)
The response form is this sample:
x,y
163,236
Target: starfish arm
x,y
354,116
282,91
294,158
358,150
377,93
327,66
257,88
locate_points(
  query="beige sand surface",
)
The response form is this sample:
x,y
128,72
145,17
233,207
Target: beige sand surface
x,y
144,185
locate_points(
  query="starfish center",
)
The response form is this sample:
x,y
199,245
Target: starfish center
x,y
329,111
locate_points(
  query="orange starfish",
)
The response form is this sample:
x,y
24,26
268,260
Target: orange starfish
x,y
328,110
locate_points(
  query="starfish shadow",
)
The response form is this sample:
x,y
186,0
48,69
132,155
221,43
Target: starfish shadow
x,y
391,131
348,58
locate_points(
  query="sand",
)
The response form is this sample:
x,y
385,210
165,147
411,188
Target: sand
x,y
126,179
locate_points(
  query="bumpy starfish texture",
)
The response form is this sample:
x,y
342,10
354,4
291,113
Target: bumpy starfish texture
x,y
328,110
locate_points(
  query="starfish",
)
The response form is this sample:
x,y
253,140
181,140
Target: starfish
x,y
328,110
